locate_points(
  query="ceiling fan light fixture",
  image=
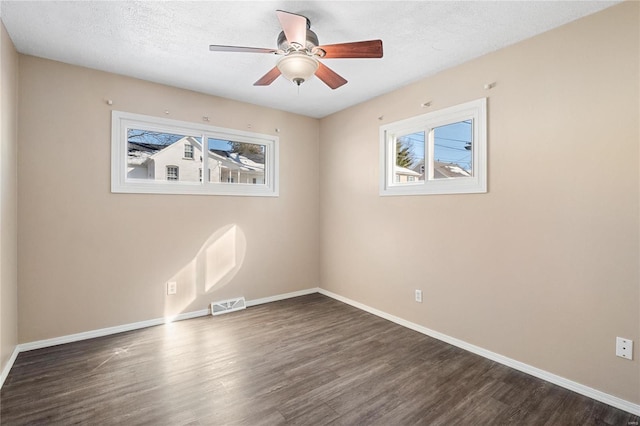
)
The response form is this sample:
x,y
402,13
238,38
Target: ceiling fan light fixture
x,y
302,52
297,67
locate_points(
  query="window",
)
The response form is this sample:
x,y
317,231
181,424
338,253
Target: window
x,y
147,152
442,152
188,151
172,173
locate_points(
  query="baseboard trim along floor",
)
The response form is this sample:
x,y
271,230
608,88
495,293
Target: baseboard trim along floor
x,y
509,362
603,397
24,347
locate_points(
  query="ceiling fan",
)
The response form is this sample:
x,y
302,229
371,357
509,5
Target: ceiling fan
x,y
300,50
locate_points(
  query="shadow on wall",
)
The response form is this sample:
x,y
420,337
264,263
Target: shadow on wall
x,y
214,266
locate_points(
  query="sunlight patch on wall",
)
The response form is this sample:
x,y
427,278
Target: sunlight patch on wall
x,y
214,266
186,291
221,259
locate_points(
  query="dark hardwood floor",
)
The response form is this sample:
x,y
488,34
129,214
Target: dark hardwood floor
x,y
305,361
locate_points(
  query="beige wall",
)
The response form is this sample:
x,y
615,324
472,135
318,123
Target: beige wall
x,y
91,259
8,198
544,268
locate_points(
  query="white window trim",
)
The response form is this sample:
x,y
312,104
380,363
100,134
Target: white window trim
x,y
121,121
177,169
476,110
188,149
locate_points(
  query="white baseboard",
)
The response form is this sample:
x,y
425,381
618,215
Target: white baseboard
x,y
7,367
282,296
509,362
614,401
39,344
148,323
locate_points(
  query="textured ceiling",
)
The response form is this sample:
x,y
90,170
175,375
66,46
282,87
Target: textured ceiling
x,y
167,42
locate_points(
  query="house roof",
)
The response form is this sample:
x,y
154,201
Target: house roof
x,y
405,171
449,170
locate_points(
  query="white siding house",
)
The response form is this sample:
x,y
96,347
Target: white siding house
x,y
404,174
182,161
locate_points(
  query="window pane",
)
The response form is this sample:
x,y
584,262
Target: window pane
x,y
172,173
162,156
452,150
188,151
236,162
453,154
156,155
409,167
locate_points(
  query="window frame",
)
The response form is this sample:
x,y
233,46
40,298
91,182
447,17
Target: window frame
x,y
177,173
188,152
120,183
475,110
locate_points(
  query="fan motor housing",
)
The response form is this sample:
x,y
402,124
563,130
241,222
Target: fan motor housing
x,y
311,42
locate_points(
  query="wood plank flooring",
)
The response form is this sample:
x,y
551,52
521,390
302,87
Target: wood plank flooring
x,y
305,361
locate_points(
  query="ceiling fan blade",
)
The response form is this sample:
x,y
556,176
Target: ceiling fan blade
x,y
329,77
294,27
268,78
357,49
218,48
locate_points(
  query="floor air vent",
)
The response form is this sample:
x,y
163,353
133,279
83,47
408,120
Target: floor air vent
x,y
226,306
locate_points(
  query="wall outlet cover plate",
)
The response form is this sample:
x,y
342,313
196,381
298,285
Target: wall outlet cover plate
x,y
624,348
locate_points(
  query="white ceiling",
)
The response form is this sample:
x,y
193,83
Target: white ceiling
x,y
167,42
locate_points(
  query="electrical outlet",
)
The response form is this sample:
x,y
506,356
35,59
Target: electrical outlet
x,y
172,287
624,348
419,296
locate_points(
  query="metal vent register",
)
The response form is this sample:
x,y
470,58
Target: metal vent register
x,y
226,306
